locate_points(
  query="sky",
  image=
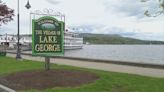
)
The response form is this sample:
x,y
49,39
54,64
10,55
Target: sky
x,y
123,17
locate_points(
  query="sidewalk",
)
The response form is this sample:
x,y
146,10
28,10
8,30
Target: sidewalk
x,y
152,72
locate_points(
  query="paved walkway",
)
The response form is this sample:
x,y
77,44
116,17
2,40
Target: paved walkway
x,y
152,72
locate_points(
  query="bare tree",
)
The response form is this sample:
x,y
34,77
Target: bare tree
x,y
158,12
6,13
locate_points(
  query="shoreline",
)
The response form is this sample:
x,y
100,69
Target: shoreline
x,y
138,64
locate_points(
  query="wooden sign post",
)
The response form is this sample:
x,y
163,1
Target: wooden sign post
x,y
47,63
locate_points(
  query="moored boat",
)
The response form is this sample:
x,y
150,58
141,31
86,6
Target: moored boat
x,y
71,41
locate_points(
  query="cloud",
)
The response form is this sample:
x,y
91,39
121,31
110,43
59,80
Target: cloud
x,y
54,2
103,29
149,36
125,7
126,32
124,17
89,28
5,29
130,7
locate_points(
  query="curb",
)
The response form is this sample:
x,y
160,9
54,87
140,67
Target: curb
x,y
5,89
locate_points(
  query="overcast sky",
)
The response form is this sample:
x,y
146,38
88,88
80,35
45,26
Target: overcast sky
x,y
124,17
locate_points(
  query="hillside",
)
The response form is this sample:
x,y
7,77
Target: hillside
x,y
113,39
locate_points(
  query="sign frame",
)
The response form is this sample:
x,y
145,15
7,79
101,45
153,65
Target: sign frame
x,y
61,53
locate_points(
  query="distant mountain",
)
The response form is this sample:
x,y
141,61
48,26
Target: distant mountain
x,y
113,39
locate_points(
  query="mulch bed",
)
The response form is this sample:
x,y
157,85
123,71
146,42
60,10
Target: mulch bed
x,y
40,79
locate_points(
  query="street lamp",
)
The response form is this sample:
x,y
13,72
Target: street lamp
x,y
18,56
28,6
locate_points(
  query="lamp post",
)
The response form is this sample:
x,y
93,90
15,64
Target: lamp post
x,y
18,56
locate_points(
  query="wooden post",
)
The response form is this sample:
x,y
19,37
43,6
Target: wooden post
x,y
47,63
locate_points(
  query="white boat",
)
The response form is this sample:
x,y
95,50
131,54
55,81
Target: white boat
x,y
71,41
8,40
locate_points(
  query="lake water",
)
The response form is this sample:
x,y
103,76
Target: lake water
x,y
133,53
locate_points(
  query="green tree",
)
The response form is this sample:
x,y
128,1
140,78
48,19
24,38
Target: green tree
x,y
6,13
158,12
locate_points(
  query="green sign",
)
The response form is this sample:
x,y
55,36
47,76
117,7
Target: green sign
x,y
47,36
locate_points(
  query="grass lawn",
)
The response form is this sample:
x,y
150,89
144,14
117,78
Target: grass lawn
x,y
108,82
